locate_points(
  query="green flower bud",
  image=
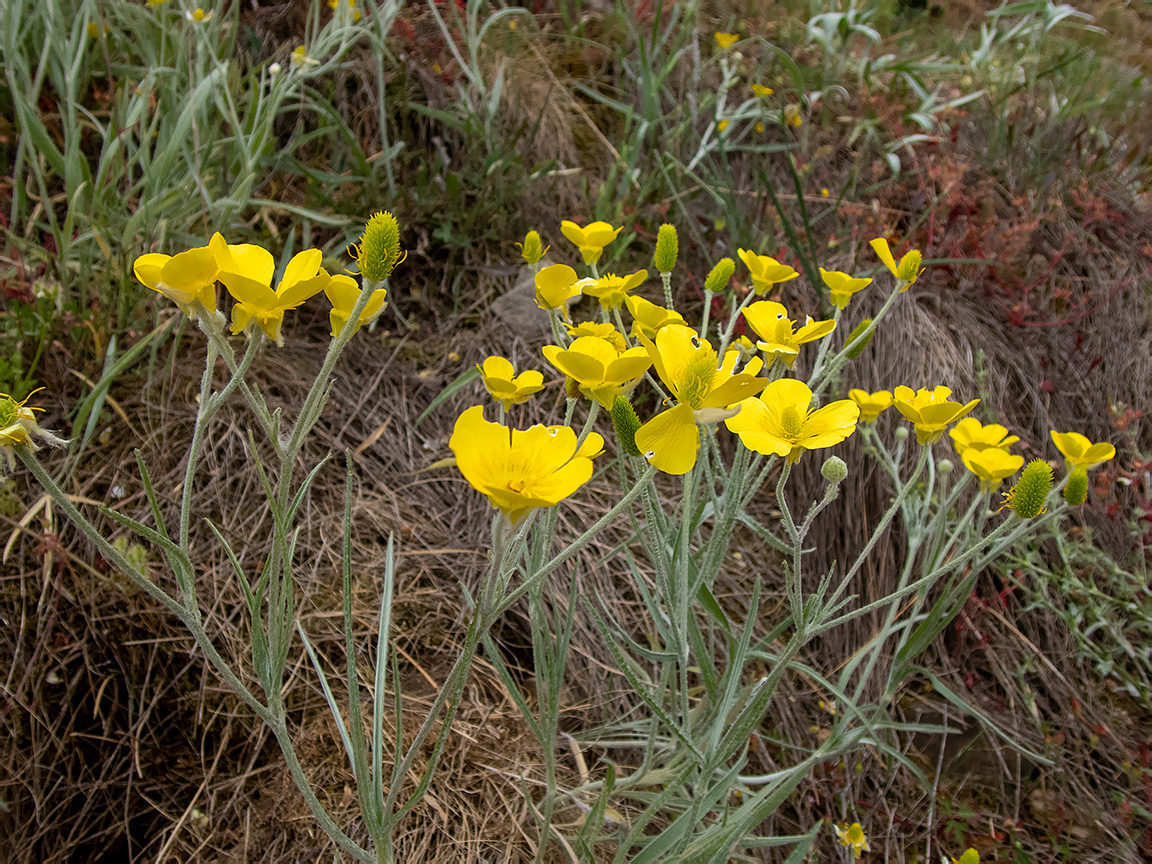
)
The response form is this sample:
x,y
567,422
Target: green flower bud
x,y
532,249
1027,497
901,433
627,423
834,470
666,247
571,387
909,267
1076,489
858,349
944,466
718,279
379,249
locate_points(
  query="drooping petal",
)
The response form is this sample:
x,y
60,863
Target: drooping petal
x,y
670,440
880,247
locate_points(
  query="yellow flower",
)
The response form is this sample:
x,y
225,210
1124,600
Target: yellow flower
x,y
602,330
781,421
602,370
824,193
722,125
792,114
970,856
762,91
504,385
18,428
872,405
842,286
930,410
726,40
611,289
1079,452
704,389
992,465
969,434
907,271
532,249
343,292
555,286
334,5
198,16
770,321
590,239
154,3
765,271
521,469
184,278
300,57
852,835
759,127
246,271
648,318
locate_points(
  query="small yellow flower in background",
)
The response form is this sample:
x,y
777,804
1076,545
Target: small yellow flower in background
x,y
300,57
18,428
247,270
852,835
930,410
778,339
183,278
841,286
648,318
824,193
555,286
601,331
602,370
334,5
759,126
521,469
704,389
762,91
765,271
152,4
781,421
343,292
611,289
722,125
93,30
198,16
970,434
378,251
792,115
992,465
726,40
970,856
504,385
1079,452
591,239
532,249
872,405
907,271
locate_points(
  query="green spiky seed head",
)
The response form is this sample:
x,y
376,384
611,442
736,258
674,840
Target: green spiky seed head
x,y
627,423
9,411
1076,489
834,470
859,347
909,267
718,279
532,249
379,248
667,245
1027,497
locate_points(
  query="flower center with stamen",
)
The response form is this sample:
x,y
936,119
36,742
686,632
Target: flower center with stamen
x,y
698,377
792,422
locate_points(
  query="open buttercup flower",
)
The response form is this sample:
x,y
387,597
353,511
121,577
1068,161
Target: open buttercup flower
x,y
970,434
704,389
555,286
185,278
19,429
519,470
930,410
505,386
343,292
992,465
591,239
611,290
841,286
765,271
853,836
603,330
601,368
907,271
726,40
1079,452
247,270
778,336
872,405
648,318
781,421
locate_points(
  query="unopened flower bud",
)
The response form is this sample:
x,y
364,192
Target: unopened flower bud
x,y
718,279
1076,489
379,249
1027,497
571,387
944,466
859,347
627,423
667,246
909,267
901,433
834,470
274,69
532,250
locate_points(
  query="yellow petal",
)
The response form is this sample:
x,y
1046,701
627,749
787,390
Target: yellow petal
x,y
670,440
880,247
